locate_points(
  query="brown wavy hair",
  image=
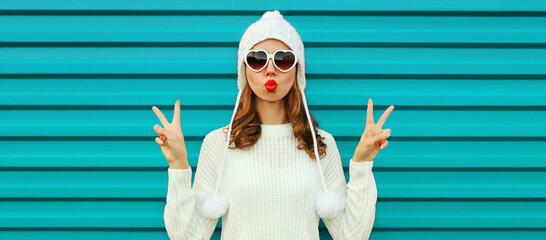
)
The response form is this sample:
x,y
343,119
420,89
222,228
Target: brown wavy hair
x,y
246,128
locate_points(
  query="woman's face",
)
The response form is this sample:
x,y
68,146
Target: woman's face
x,y
257,80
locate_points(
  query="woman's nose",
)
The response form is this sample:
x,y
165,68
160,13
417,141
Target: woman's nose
x,y
270,69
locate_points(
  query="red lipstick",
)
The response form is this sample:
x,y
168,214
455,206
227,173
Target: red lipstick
x,y
270,85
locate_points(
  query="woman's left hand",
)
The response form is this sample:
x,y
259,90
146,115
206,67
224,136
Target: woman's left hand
x,y
374,138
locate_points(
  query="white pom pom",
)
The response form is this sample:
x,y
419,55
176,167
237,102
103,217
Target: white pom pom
x,y
215,205
327,204
269,14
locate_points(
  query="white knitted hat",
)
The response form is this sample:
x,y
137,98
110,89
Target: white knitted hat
x,y
272,25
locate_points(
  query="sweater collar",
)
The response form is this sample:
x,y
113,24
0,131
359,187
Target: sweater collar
x,y
277,129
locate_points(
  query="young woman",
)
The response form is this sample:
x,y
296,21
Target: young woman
x,y
283,173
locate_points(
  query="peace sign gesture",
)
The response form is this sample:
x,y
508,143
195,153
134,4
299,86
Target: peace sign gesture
x,y
374,138
171,139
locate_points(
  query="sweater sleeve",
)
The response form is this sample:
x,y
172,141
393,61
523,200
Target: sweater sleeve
x,y
358,198
183,216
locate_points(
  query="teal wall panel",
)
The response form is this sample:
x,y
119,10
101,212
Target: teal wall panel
x,y
466,158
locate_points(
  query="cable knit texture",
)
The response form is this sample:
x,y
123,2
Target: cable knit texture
x,y
272,188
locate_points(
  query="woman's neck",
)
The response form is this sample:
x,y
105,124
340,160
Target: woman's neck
x,y
271,113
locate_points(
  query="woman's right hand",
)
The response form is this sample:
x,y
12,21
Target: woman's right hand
x,y
171,138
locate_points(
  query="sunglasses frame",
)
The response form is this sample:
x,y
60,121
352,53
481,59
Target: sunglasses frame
x,y
271,56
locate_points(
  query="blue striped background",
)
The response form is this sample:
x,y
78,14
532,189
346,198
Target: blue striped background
x,y
466,158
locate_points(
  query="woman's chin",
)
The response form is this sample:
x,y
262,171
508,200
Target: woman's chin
x,y
270,96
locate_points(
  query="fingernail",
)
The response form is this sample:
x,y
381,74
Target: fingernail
x,y
382,146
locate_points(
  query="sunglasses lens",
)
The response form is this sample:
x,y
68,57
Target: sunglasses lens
x,y
284,60
256,60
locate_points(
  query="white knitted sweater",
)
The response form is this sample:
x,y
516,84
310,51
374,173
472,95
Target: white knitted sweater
x,y
271,188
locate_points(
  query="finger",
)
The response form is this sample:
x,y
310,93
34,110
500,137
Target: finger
x,y
176,116
380,142
379,137
161,136
369,114
156,130
170,135
164,141
160,115
374,131
384,116
384,145
158,141
383,131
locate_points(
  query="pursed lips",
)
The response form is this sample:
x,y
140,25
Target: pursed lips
x,y
271,85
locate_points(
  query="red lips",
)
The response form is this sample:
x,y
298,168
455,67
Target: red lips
x,y
270,85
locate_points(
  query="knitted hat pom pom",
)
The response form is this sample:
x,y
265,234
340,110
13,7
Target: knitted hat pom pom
x,y
215,205
327,204
269,14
